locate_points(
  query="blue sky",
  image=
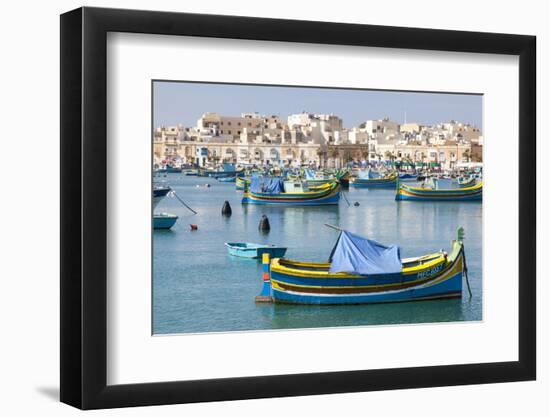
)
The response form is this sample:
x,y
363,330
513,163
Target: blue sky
x,y
184,103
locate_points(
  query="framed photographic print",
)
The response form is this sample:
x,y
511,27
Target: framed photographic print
x,y
257,208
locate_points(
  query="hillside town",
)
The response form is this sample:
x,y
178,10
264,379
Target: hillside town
x,y
314,140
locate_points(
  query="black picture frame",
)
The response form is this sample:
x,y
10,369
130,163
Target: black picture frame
x,y
84,207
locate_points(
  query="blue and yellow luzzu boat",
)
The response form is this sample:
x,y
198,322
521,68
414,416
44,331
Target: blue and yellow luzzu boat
x,y
387,181
272,191
472,193
368,273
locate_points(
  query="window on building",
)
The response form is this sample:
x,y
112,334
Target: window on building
x,y
229,123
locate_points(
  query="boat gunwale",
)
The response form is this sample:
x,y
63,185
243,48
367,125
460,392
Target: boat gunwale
x,y
278,267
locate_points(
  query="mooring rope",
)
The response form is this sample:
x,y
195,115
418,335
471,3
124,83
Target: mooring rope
x,y
173,193
345,198
466,272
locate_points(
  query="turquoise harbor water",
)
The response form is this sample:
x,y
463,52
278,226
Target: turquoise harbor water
x,y
198,287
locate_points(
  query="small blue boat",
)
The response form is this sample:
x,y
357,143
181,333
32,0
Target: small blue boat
x,y
164,220
226,179
254,250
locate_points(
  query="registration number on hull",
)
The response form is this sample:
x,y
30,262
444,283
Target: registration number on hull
x,y
432,271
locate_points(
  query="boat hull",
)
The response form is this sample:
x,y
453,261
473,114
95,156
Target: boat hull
x,y
450,288
164,221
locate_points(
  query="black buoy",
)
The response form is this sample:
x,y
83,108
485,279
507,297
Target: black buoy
x,y
356,204
226,209
264,224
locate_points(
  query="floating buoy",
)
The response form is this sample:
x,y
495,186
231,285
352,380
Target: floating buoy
x,y
194,227
264,224
226,209
356,204
207,185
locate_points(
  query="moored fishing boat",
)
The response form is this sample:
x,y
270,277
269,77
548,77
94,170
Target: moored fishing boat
x,y
164,220
363,271
254,250
471,193
266,190
385,181
226,179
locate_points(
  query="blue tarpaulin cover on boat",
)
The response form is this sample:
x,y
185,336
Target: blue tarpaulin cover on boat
x,y
267,185
356,255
